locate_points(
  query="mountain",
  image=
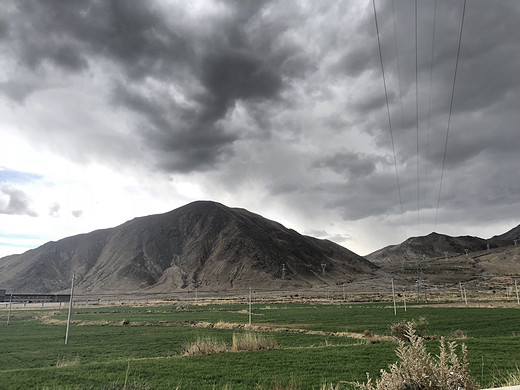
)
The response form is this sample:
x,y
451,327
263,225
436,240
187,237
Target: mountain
x,y
511,235
202,245
440,259
432,245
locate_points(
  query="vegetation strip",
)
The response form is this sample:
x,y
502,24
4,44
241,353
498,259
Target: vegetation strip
x,y
311,340
264,328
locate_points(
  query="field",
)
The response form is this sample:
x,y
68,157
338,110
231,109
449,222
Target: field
x,y
144,346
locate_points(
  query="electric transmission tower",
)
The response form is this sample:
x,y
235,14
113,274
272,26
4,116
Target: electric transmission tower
x,y
323,268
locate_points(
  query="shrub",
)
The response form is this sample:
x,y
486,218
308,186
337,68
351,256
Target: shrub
x,y
370,338
252,342
241,342
205,346
417,369
457,334
510,379
64,362
400,329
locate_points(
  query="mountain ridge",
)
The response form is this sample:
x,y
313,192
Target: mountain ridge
x,y
200,245
441,259
206,245
442,245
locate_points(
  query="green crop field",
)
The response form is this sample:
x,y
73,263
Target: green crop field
x,y
316,344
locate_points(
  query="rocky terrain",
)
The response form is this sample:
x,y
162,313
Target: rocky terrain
x,y
439,259
201,245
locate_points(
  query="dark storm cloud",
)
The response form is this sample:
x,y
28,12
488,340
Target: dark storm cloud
x,y
211,70
286,188
18,90
182,139
232,75
361,55
67,34
489,59
368,197
482,133
17,202
350,165
373,101
284,97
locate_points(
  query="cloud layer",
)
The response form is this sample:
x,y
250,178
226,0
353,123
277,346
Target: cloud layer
x,y
275,106
14,201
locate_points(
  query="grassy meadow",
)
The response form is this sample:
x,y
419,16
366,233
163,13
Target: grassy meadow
x,y
145,347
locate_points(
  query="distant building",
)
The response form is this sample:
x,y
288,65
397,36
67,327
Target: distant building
x,y
33,298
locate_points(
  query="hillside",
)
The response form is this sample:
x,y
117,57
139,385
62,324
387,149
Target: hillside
x,y
441,259
201,245
511,235
432,246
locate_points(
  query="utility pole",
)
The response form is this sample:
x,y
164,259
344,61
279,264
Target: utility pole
x,y
418,281
404,299
283,271
250,298
344,297
11,303
70,308
517,299
393,297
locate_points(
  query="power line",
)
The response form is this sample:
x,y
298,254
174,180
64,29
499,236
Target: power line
x,y
450,111
426,173
400,94
398,66
388,112
417,121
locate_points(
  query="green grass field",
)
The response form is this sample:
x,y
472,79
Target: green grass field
x,y
145,345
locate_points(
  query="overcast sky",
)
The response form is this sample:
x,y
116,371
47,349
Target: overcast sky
x,y
112,110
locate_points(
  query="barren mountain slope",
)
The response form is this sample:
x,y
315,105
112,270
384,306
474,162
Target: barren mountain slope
x,y
511,236
203,244
432,246
441,259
